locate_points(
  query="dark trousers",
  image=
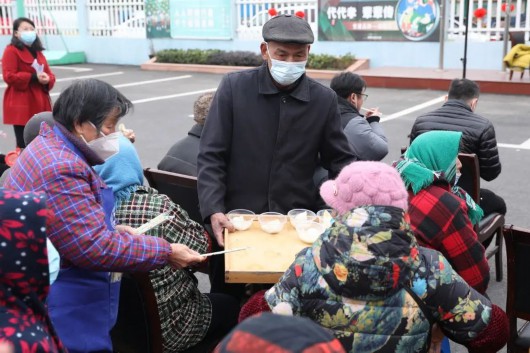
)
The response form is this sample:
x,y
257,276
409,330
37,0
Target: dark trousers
x,y
19,135
217,272
491,202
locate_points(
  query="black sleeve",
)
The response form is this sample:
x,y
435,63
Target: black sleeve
x,y
214,151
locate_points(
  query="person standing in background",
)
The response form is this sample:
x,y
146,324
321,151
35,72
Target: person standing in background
x,y
28,77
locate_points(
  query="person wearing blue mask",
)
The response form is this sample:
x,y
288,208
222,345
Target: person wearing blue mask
x,y
266,132
28,77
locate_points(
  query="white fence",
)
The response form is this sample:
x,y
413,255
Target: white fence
x,y
491,26
252,14
122,18
126,18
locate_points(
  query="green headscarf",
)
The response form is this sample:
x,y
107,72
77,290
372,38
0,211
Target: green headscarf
x,y
433,155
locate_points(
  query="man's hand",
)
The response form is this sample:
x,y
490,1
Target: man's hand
x,y
122,228
219,222
182,256
372,112
43,78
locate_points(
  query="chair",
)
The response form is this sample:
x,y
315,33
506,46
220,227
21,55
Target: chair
x,y
517,303
137,329
490,225
516,37
181,189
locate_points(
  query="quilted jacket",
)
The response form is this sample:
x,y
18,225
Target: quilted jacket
x,y
478,134
352,281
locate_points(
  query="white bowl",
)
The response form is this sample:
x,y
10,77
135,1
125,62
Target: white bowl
x,y
272,222
308,232
325,217
300,215
241,219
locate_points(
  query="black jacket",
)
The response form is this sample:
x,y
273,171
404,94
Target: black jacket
x,y
260,146
478,134
182,156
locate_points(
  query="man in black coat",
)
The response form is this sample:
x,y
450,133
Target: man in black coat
x,y
266,129
182,156
478,135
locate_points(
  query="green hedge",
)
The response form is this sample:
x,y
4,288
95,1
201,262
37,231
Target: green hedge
x,y
245,58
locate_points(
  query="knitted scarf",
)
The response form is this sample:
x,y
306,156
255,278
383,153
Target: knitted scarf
x,y
432,156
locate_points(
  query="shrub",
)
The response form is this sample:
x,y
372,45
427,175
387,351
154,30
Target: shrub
x,y
329,62
246,58
235,58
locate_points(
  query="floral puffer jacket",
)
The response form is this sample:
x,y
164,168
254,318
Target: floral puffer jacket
x,y
352,281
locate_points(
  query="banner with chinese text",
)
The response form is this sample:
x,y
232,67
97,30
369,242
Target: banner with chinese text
x,y
157,22
379,20
201,19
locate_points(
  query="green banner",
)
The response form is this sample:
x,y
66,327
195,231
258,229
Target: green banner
x,y
201,19
379,20
157,18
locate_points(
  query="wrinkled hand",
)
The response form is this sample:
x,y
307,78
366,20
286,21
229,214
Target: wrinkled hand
x,y
219,222
43,78
182,256
437,337
125,229
372,112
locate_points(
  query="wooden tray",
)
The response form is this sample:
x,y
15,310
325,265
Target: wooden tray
x,y
267,259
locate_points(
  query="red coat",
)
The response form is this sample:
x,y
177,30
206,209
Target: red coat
x,y
23,98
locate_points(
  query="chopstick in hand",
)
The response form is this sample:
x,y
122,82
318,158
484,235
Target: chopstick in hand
x,y
225,251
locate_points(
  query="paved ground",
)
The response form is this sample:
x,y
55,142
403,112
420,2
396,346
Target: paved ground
x,y
163,105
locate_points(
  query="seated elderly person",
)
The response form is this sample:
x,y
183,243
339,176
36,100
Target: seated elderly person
x,y
442,214
182,156
188,317
368,281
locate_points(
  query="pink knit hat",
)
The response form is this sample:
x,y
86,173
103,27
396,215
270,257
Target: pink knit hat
x,y
365,184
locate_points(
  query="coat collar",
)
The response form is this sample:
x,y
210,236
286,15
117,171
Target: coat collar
x,y
266,85
196,130
346,107
25,55
458,103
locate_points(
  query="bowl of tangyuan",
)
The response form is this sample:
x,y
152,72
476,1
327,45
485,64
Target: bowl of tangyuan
x,y
241,219
272,222
308,232
300,215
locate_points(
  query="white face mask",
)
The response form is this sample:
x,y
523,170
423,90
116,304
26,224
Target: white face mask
x,y
286,72
105,146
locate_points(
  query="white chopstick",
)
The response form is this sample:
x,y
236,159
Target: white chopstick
x,y
225,251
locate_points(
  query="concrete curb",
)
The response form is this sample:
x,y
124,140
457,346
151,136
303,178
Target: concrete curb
x,y
152,65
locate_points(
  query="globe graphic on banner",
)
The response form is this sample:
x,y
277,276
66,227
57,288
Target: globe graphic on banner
x,y
417,19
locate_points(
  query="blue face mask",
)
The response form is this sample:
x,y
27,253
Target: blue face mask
x,y
28,37
286,72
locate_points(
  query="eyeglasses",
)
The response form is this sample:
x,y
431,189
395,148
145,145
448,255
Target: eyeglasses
x,y
365,96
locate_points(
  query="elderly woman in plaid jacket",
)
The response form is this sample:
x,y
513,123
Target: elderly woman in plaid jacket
x,y
188,317
442,214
